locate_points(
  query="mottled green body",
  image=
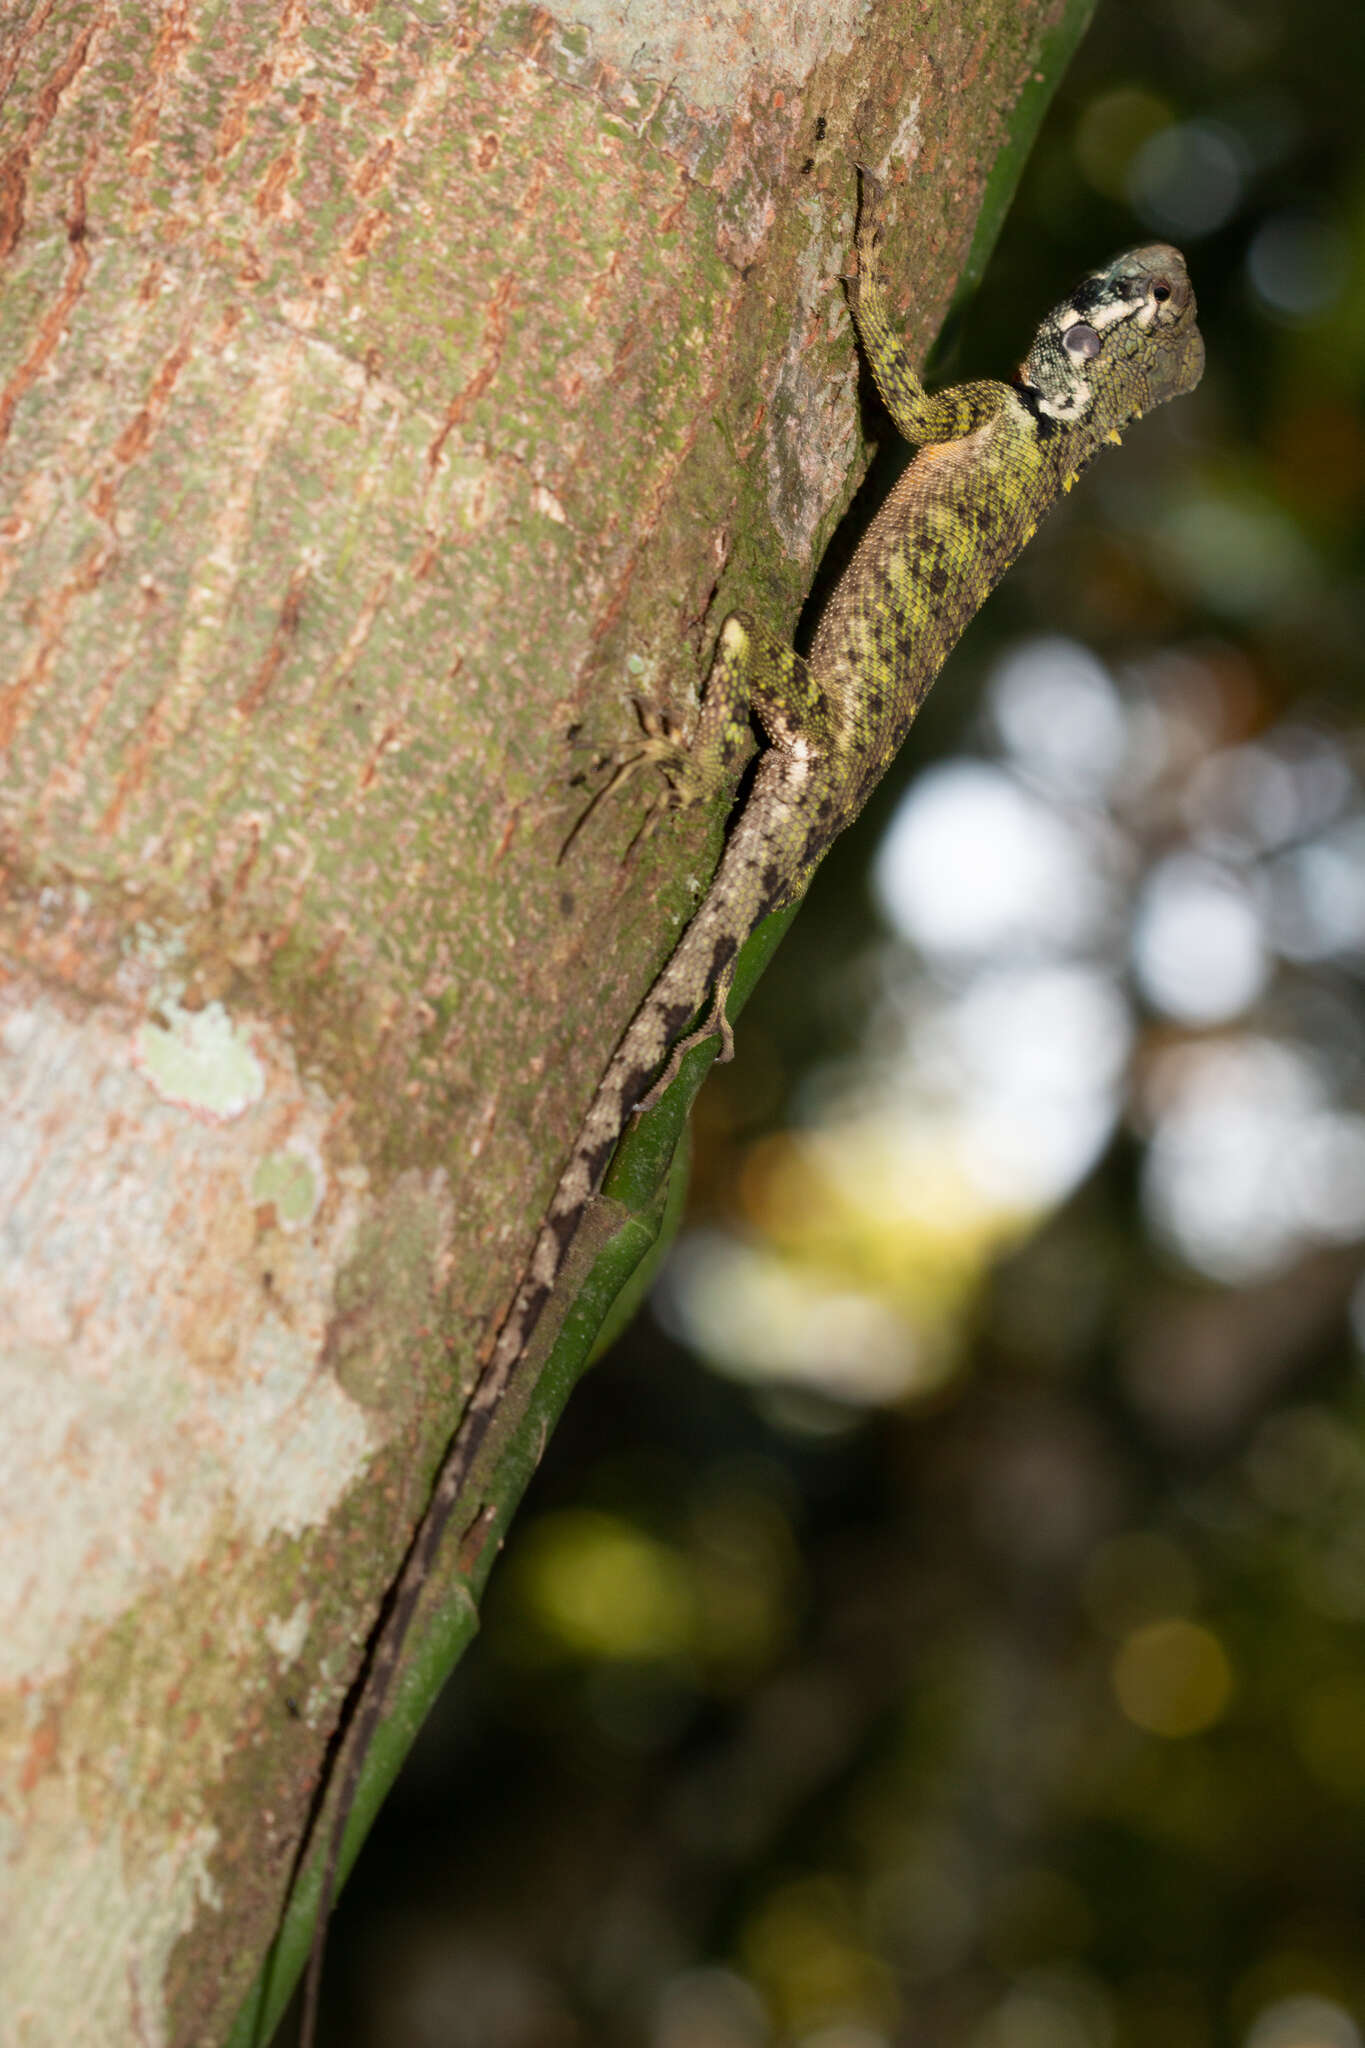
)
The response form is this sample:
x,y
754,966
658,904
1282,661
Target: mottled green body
x,y
992,459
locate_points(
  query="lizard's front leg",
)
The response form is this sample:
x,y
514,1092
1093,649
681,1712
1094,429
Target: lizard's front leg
x,y
920,417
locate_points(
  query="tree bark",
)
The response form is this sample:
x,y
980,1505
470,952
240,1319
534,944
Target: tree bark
x,y
388,395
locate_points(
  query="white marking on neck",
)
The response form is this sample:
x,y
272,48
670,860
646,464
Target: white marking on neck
x,y
1105,316
1067,408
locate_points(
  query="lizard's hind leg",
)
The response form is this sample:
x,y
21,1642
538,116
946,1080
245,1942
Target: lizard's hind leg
x,y
661,743
715,1024
751,670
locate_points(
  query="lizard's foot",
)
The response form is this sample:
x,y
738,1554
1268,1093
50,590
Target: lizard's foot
x,y
872,187
662,748
715,1025
871,226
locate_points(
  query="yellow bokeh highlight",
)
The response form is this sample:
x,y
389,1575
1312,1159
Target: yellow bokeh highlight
x,y
1172,1678
807,1954
879,1234
597,1586
888,1208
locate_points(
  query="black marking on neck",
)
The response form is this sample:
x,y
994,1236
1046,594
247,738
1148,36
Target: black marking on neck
x,y
1089,293
1031,398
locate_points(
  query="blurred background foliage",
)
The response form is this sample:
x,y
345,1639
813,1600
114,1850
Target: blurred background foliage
x,y
940,1620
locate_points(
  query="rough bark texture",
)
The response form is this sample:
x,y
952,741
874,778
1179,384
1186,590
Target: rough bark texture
x,y
387,395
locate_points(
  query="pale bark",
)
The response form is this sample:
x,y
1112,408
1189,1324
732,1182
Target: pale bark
x,y
385,394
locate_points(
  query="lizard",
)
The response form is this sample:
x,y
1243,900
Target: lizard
x,y
992,458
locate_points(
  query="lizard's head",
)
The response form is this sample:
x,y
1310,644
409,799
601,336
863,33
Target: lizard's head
x,y
1123,342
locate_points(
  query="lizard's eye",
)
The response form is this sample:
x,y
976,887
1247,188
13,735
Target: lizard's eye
x,y
1081,341
1161,291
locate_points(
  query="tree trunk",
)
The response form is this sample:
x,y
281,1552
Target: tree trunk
x,y
388,395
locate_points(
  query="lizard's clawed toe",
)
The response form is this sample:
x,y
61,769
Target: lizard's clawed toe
x,y
662,748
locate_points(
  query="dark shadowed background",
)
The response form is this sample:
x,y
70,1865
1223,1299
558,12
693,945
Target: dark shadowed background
x,y
940,1620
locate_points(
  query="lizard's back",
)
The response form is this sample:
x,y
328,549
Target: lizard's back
x,y
942,539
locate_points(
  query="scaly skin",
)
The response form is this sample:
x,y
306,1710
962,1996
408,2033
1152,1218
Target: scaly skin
x,y
992,459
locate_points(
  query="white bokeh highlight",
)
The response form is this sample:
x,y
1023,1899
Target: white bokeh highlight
x,y
1199,950
974,865
1250,1162
1060,717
